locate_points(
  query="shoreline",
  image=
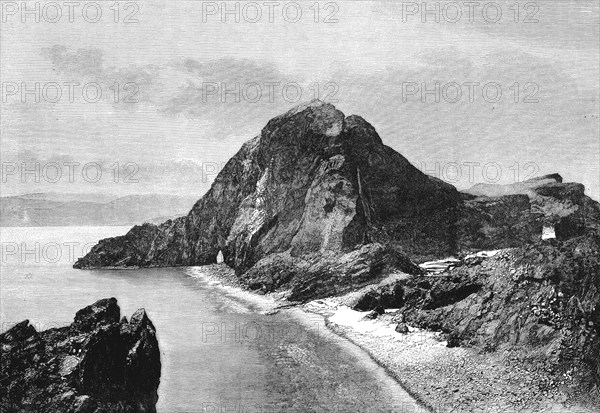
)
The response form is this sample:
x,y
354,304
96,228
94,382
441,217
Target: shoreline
x,y
349,334
388,379
436,377
220,276
441,378
426,407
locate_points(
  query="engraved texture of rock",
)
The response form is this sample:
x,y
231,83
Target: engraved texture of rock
x,y
97,364
316,185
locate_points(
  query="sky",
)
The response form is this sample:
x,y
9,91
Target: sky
x,y
501,95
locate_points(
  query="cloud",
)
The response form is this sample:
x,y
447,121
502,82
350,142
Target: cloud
x,y
125,87
232,93
181,112
86,62
29,171
558,133
227,94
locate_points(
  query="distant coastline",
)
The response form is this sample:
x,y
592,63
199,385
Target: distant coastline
x,y
68,210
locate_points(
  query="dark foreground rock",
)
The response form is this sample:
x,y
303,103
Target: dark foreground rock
x,y
317,204
98,364
537,305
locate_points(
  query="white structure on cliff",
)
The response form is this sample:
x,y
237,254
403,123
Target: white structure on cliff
x,y
548,232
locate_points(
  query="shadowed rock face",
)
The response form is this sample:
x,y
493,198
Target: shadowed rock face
x,y
315,186
97,364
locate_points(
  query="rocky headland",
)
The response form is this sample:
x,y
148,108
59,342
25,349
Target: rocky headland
x,y
101,363
316,190
317,206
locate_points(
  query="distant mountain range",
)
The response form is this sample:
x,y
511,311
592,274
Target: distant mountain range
x,y
63,209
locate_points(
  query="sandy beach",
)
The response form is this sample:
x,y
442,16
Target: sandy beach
x,y
439,378
444,379
316,322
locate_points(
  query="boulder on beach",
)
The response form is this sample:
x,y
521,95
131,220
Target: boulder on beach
x,y
401,328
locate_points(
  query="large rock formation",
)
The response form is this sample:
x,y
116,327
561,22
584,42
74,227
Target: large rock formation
x,y
316,186
98,364
313,183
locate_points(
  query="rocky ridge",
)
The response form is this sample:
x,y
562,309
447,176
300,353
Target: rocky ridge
x,y
537,307
99,363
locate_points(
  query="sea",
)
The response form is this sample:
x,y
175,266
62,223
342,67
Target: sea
x,y
222,349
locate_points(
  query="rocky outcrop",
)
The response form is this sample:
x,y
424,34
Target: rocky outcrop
x,y
538,304
526,207
100,363
313,184
526,187
317,198
330,274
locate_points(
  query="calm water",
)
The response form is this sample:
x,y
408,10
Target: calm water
x,y
220,351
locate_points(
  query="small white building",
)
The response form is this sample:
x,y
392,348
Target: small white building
x,y
220,257
548,232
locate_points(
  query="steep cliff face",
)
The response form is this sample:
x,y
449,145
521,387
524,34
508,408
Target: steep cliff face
x,y
97,364
315,186
313,182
